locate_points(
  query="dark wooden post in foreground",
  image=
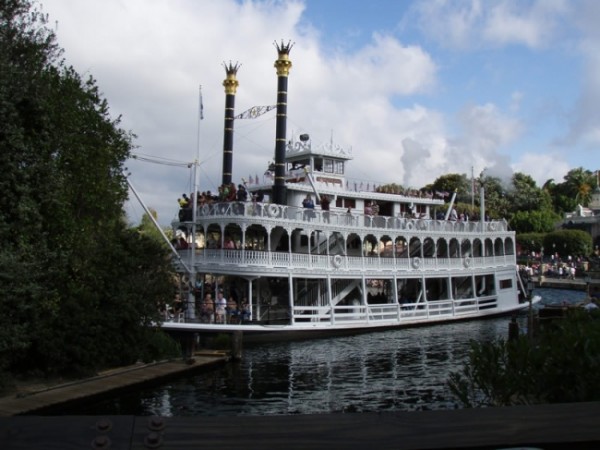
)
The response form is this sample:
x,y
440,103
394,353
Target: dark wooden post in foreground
x,y
236,345
513,329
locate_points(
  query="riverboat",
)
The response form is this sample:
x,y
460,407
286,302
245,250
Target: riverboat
x,y
355,260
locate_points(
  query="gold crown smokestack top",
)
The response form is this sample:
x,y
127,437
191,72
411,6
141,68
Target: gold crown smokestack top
x,y
230,84
283,66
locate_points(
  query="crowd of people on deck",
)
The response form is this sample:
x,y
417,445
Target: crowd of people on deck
x,y
221,304
210,307
226,193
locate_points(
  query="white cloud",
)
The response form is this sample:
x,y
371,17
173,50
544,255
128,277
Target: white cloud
x,y
509,22
542,167
485,131
585,117
150,57
475,23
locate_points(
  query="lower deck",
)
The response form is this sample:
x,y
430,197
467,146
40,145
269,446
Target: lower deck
x,y
220,302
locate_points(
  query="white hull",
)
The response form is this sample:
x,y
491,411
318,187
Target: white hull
x,y
379,319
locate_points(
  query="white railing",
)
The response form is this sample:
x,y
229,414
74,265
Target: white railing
x,y
279,213
390,312
263,259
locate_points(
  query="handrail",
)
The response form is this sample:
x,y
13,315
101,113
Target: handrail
x,y
254,259
285,213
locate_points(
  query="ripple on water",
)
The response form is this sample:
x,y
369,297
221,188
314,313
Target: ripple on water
x,y
400,370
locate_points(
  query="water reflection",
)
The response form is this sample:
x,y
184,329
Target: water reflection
x,y
389,371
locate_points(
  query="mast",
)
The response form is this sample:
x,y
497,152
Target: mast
x,y
190,311
230,84
283,66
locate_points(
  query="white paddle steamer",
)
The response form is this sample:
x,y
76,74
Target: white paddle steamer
x,y
374,260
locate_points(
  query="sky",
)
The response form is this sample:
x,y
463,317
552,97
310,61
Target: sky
x,y
415,88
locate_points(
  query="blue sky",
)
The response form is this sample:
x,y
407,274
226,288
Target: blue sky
x,y
416,88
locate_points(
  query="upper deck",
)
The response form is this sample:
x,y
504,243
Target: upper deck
x,y
257,237
272,214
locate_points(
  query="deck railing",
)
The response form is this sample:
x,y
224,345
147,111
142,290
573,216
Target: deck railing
x,y
391,312
286,260
338,218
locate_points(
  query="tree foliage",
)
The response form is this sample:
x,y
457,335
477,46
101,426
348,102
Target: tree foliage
x,y
568,243
559,365
576,189
78,288
534,221
453,182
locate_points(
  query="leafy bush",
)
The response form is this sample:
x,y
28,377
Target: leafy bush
x,y
561,364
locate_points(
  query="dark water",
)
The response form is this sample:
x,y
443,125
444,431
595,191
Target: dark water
x,y
401,370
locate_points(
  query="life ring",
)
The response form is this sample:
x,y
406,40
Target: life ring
x,y
337,261
185,279
492,226
409,225
273,210
205,210
416,262
467,262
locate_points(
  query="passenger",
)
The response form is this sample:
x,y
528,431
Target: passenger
x,y
180,242
220,305
184,201
229,244
177,305
232,195
207,309
309,205
375,209
245,313
453,215
242,193
233,312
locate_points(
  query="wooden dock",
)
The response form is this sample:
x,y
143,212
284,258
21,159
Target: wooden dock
x,y
577,284
547,427
106,383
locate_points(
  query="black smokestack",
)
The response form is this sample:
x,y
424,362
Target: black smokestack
x,y
230,83
283,66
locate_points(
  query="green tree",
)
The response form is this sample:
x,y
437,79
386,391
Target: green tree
x,y
78,288
535,221
453,182
568,243
525,195
149,229
496,203
576,188
559,365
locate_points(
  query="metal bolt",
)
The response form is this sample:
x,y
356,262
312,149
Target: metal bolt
x,y
101,442
103,425
156,423
153,440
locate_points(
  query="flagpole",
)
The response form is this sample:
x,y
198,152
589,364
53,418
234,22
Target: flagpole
x,y
472,189
191,309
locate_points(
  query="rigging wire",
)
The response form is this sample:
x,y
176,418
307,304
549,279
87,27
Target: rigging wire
x,y
159,160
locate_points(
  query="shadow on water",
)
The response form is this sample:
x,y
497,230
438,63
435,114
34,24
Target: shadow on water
x,y
400,370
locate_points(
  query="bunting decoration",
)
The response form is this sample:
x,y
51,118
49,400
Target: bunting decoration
x,y
255,111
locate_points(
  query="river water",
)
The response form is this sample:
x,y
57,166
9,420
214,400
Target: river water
x,y
400,370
